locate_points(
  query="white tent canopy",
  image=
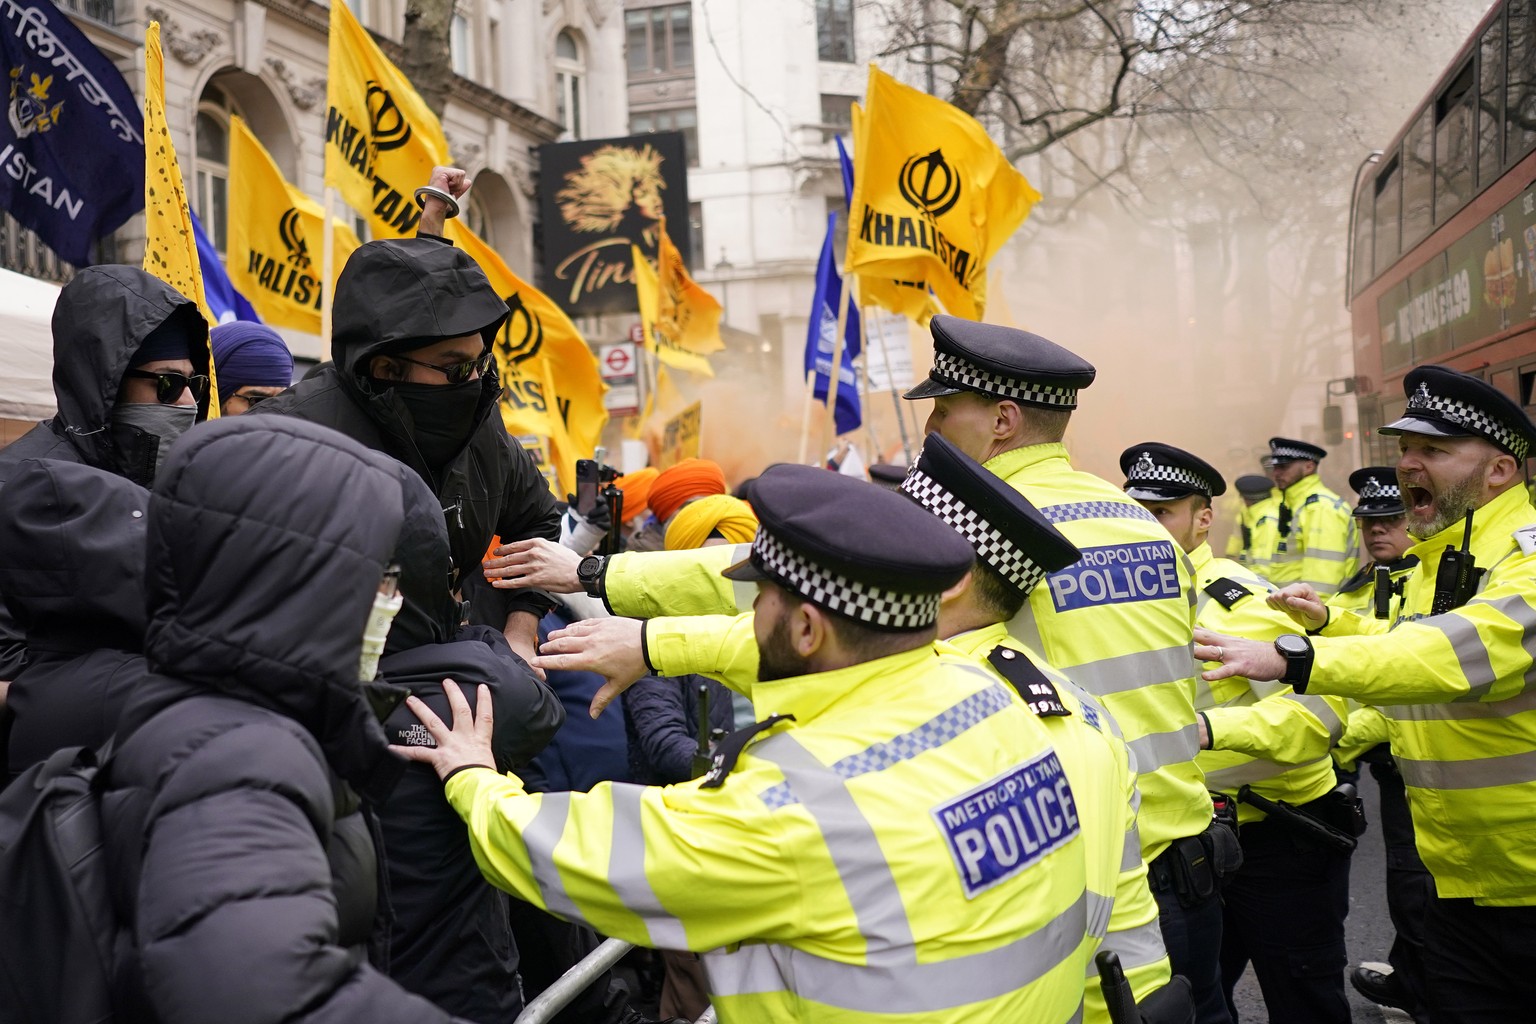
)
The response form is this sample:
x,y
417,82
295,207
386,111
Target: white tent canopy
x,y
26,346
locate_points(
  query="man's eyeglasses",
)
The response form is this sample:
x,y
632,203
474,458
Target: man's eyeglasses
x,y
169,384
457,373
251,400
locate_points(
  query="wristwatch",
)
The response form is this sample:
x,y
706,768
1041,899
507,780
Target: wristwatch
x,y
1297,652
589,573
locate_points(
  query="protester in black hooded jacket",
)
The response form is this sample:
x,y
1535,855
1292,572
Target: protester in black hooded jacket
x,y
452,941
239,857
103,319
72,572
395,299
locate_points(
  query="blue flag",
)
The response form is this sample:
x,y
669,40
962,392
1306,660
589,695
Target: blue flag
x,y
72,141
224,302
823,329
846,164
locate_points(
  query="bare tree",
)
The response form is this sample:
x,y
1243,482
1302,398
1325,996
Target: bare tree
x,y
427,58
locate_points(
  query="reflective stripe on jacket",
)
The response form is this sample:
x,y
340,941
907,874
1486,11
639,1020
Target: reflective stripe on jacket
x,y
1462,715
908,848
1321,547
1262,519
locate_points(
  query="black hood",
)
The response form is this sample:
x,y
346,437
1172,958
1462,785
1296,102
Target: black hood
x,y
101,318
72,556
430,615
267,539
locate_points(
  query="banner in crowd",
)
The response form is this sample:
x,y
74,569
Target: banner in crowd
x,y
680,319
72,141
550,382
933,196
906,298
821,336
599,197
275,237
681,436
170,245
224,301
381,138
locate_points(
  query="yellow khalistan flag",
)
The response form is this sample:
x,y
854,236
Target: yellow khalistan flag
x,y
933,196
274,237
170,247
680,319
550,381
910,299
381,139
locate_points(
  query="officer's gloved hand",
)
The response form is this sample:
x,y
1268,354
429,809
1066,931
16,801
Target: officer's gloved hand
x,y
582,534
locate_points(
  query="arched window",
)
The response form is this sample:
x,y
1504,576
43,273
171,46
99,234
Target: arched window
x,y
475,219
570,72
211,192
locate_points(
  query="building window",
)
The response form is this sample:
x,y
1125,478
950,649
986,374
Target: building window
x,y
1418,178
570,73
460,47
682,119
659,41
834,30
212,180
1385,215
837,118
1490,115
1453,144
696,236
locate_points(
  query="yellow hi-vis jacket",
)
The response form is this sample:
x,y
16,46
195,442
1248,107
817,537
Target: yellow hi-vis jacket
x,y
1462,714
1319,546
1366,726
907,849
1119,624
1263,734
1261,526
1095,758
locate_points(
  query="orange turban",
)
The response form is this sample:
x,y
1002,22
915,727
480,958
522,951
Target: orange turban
x,y
637,490
692,526
691,478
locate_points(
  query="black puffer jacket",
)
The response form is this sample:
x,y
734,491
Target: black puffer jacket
x,y
101,318
421,288
451,942
661,719
72,571
237,853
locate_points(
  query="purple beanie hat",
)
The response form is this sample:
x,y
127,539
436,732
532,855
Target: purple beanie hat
x,y
248,354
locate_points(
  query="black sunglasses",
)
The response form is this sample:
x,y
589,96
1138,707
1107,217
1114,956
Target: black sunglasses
x,y
457,373
252,400
169,384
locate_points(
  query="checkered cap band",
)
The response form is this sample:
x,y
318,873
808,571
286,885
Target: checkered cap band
x,y
1469,417
1286,452
1377,489
1147,470
991,546
835,592
968,374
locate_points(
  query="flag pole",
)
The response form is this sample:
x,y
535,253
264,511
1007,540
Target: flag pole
x,y
885,357
327,267
835,370
805,418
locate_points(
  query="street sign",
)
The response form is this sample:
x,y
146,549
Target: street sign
x,y
618,364
618,361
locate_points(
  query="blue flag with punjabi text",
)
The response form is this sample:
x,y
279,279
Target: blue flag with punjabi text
x,y
224,301
72,139
821,332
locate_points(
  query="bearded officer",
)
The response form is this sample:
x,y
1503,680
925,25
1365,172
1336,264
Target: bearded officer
x,y
1316,543
1285,907
1451,677
895,838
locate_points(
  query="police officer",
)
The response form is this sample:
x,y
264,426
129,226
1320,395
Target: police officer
x,y
895,837
1285,907
1259,524
1316,543
1452,678
1382,521
1117,622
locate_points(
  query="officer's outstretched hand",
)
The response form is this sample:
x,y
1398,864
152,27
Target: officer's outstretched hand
x,y
466,745
1256,659
611,647
534,563
1301,603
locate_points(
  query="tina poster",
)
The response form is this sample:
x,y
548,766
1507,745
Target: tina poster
x,y
599,196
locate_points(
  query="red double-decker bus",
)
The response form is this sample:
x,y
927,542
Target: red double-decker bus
x,y
1442,263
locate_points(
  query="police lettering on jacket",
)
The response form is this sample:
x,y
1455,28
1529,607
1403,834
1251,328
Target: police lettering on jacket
x,y
1115,574
1002,826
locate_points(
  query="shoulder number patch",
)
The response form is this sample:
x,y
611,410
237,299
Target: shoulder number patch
x,y
1003,826
1526,538
1227,592
1038,691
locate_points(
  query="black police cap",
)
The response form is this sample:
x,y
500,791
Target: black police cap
x,y
1379,492
1288,449
1002,362
1443,402
1253,485
1160,472
852,548
1007,532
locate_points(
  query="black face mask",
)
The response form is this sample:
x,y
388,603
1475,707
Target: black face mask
x,y
442,417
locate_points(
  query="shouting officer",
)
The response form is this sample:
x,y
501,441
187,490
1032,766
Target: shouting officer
x,y
1452,678
895,838
1316,542
1117,622
1285,907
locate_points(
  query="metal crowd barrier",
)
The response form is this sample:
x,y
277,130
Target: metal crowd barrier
x,y
571,984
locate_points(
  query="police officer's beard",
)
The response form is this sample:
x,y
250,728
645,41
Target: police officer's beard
x,y
1452,506
776,657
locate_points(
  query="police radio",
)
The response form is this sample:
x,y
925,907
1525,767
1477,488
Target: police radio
x,y
1386,590
1283,526
1456,579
